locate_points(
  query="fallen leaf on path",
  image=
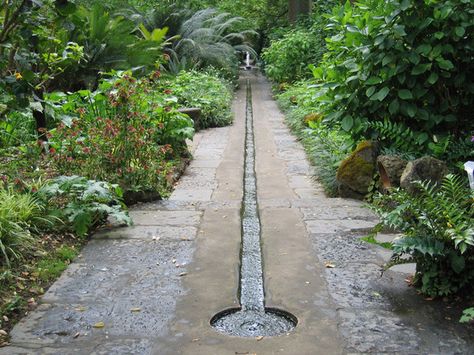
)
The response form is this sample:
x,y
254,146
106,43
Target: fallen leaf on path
x,y
32,303
195,339
136,309
259,338
183,274
329,265
80,309
99,325
76,335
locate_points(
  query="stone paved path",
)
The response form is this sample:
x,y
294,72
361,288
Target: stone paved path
x,y
156,285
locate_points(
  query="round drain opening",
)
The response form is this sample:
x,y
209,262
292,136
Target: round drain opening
x,y
251,323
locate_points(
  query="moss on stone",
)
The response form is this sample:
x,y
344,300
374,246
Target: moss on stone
x,y
357,170
313,117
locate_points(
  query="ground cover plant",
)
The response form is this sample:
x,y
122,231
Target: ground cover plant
x,y
204,90
42,226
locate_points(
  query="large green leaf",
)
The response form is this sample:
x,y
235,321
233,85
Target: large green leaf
x,y
405,94
420,68
347,123
393,107
381,94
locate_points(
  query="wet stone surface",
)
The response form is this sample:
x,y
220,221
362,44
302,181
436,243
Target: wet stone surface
x,y
122,291
165,218
342,249
254,324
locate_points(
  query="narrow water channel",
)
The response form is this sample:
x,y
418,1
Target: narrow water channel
x,y
252,318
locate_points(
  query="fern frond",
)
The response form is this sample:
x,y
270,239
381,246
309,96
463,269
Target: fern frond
x,y
399,135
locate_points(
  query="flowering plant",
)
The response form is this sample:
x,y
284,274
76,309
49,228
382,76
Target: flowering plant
x,y
123,133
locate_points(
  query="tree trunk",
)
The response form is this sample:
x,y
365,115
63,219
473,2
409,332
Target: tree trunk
x,y
297,8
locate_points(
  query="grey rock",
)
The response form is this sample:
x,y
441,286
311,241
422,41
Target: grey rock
x,y
423,169
390,169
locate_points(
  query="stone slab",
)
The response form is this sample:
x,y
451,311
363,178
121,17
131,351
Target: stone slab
x,y
192,195
337,226
165,218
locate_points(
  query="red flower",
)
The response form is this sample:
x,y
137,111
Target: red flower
x,y
52,150
168,91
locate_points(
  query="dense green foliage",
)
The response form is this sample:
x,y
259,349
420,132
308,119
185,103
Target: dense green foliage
x,y
208,92
406,61
398,73
438,234
287,59
288,56
206,39
259,15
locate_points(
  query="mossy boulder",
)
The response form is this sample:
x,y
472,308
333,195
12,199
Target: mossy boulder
x,y
356,172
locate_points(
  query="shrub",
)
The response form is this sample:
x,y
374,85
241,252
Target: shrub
x,y
404,61
126,133
292,50
213,95
438,234
287,59
19,214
